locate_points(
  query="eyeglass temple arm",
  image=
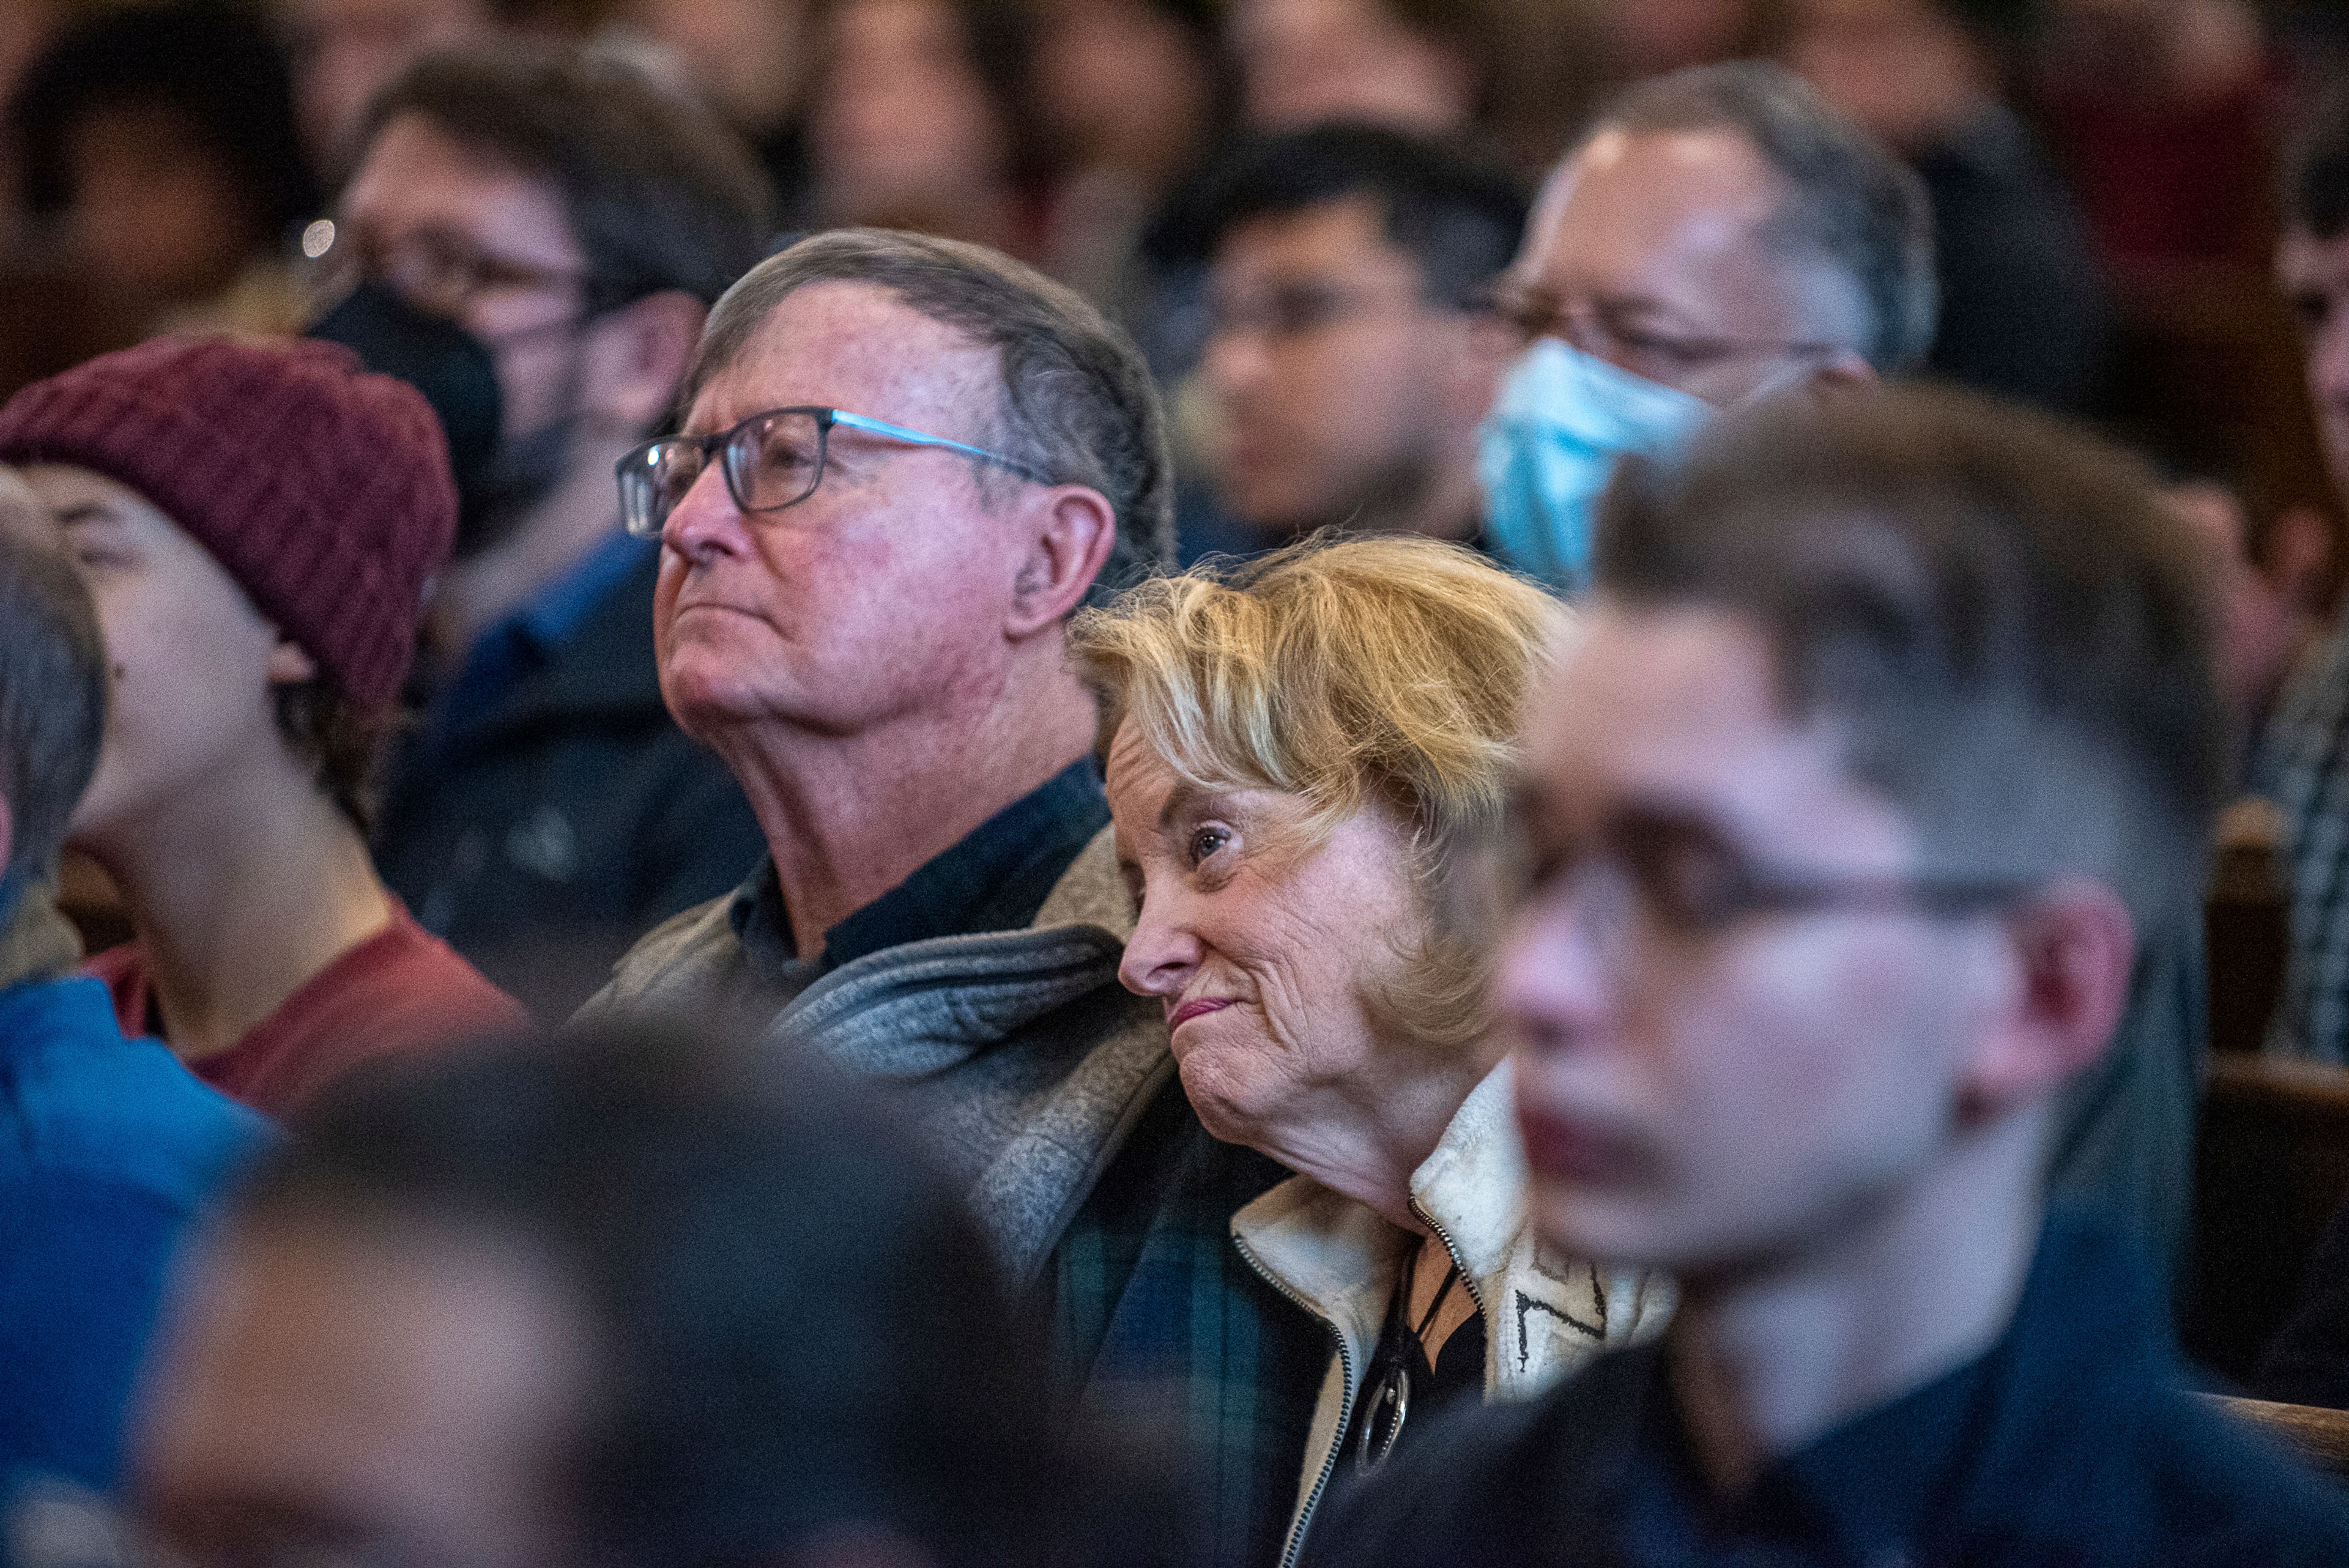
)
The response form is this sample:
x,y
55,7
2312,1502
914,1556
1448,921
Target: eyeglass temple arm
x,y
922,438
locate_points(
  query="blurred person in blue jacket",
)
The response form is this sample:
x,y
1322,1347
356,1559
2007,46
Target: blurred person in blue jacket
x,y
108,1146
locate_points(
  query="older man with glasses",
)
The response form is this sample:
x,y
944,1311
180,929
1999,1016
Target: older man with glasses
x,y
904,463
1717,235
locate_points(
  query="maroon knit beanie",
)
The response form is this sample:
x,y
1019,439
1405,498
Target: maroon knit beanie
x,y
322,488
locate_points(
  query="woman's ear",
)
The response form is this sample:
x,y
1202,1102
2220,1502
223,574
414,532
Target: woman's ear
x,y
290,663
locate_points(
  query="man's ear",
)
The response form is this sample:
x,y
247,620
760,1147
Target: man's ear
x,y
1069,531
636,357
2074,949
290,663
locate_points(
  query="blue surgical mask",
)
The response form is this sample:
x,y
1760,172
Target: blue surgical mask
x,y
1550,446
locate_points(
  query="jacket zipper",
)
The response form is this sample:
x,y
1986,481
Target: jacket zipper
x,y
1345,1406
1467,1280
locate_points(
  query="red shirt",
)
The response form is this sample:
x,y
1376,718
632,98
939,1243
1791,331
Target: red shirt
x,y
401,990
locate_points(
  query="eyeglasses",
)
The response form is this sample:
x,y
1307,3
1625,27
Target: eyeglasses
x,y
1616,335
1681,879
435,271
770,460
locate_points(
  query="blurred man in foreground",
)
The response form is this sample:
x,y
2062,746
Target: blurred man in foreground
x,y
107,1146
626,1299
1891,725
1351,352
533,235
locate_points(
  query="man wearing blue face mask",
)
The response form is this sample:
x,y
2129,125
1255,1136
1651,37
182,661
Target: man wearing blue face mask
x,y
1718,236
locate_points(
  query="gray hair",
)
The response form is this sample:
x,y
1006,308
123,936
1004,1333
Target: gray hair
x,y
52,691
1849,203
1077,402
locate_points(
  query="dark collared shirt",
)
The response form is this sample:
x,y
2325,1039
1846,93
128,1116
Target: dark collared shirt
x,y
2071,1441
996,879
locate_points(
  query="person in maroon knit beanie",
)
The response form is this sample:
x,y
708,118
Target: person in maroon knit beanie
x,y
259,523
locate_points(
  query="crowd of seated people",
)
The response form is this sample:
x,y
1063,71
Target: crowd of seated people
x,y
937,782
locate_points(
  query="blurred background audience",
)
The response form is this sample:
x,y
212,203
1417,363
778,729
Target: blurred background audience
x,y
2098,169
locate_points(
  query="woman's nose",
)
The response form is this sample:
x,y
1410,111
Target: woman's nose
x,y
1161,957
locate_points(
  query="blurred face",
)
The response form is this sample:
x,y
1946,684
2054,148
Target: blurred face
x,y
482,244
1653,37
347,51
1303,61
1120,80
886,593
2314,275
157,215
1338,385
191,657
749,55
1901,67
1263,947
1647,250
901,123
1711,1098
367,1394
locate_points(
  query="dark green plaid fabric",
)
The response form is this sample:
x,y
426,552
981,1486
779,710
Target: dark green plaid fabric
x,y
1160,1320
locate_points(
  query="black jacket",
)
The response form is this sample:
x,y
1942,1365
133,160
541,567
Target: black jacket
x,y
2072,1441
543,835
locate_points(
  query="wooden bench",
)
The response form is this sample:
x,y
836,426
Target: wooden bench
x,y
2271,1168
2319,1436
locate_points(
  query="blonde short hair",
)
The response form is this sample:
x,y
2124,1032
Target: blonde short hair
x,y
1363,672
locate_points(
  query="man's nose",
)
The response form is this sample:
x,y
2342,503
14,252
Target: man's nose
x,y
705,520
1236,361
1160,955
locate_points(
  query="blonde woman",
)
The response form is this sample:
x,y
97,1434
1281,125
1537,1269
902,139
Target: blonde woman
x,y
1301,749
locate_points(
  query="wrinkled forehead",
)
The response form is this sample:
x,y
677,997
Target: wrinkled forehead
x,y
857,347
1646,198
1682,220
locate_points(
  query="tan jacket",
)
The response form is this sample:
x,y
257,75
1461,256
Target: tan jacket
x,y
1544,1315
